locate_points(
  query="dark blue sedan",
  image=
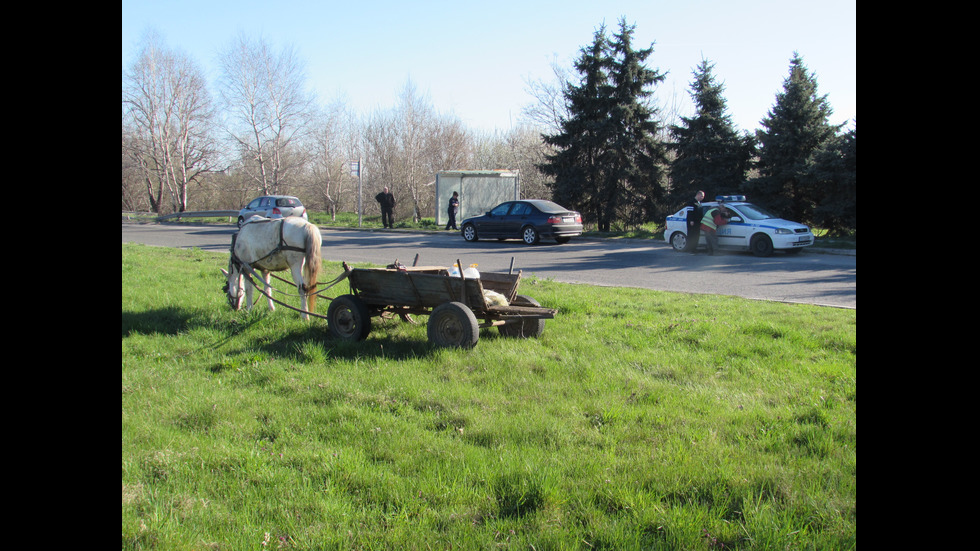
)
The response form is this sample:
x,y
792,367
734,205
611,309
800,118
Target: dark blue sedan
x,y
528,220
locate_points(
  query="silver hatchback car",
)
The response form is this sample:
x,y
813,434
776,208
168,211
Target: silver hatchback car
x,y
272,206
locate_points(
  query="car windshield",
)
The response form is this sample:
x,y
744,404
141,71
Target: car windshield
x,y
288,202
753,212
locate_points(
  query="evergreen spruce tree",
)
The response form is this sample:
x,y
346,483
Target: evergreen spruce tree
x,y
636,159
579,146
795,128
711,155
834,176
607,161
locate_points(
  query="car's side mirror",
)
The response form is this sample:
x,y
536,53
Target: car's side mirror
x,y
735,219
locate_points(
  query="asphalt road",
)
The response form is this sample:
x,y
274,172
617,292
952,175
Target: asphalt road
x,y
810,277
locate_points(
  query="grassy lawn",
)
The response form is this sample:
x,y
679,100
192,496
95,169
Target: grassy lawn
x,y
639,420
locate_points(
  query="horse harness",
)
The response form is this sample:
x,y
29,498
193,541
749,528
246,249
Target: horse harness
x,y
248,271
247,268
281,247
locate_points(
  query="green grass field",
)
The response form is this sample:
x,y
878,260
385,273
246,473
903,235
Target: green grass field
x,y
639,420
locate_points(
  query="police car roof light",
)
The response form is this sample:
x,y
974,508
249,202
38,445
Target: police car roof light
x,y
729,198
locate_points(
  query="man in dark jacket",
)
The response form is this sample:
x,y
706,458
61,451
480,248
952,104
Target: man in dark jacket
x,y
387,202
694,222
453,209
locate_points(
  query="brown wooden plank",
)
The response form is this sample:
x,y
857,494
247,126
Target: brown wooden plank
x,y
522,311
409,288
430,286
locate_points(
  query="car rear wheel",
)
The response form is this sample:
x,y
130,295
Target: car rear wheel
x,y
678,241
469,233
530,235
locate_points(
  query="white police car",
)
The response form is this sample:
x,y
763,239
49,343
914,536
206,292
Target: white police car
x,y
751,228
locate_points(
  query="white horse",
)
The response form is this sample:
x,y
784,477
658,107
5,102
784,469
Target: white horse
x,y
268,245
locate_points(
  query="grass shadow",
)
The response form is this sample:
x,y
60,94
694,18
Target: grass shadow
x,y
163,321
313,342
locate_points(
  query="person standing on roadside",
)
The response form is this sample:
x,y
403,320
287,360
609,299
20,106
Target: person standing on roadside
x,y
387,202
453,209
694,222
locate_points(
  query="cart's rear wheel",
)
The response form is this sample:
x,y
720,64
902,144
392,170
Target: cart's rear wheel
x,y
452,324
348,318
525,328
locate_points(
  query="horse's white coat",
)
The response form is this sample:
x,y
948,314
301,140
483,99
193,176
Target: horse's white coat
x,y
259,237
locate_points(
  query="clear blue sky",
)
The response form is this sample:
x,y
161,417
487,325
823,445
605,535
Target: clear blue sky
x,y
472,58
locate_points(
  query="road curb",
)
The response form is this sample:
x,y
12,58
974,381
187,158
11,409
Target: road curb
x,y
809,250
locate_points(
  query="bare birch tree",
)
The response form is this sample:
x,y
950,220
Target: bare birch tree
x,y
549,107
335,148
407,145
169,113
520,148
414,118
394,143
269,110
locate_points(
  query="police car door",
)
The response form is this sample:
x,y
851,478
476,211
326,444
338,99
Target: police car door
x,y
736,232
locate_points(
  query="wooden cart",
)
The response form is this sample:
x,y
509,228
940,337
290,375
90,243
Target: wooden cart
x,y
453,304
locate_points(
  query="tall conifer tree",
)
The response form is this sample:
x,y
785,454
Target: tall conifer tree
x,y
637,157
796,127
833,177
579,146
607,160
711,155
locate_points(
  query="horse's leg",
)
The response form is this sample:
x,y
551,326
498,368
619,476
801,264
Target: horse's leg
x,y
266,278
248,293
297,270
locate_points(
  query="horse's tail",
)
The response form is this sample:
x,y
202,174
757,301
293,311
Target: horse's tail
x,y
311,268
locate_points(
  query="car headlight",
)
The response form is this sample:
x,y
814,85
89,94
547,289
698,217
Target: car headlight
x,y
784,231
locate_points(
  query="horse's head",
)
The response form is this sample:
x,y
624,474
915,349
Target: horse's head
x,y
233,284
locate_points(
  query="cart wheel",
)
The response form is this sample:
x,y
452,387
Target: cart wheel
x,y
453,325
348,318
524,328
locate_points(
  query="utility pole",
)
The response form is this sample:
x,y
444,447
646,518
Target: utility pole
x,y
355,167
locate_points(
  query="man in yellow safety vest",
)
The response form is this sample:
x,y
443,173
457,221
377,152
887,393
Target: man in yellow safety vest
x,y
712,219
